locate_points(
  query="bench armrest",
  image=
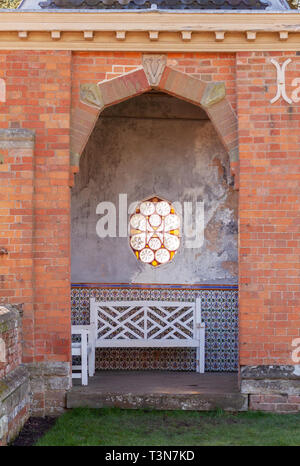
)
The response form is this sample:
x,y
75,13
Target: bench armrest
x,y
80,331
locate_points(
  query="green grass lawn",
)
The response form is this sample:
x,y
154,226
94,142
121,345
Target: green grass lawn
x,y
116,427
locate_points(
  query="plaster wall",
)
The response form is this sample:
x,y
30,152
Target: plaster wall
x,y
154,144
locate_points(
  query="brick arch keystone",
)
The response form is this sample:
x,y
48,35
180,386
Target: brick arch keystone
x,y
153,74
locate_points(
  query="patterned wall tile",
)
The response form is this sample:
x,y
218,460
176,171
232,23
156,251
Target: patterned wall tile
x,y
219,312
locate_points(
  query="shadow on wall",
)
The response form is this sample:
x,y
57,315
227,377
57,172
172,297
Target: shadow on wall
x,y
154,144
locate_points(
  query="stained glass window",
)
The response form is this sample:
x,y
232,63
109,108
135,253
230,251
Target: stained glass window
x,y
155,231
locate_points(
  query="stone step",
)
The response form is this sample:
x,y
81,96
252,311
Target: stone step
x,y
159,390
202,402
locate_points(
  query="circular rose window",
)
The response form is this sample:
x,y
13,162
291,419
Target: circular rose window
x,y
155,231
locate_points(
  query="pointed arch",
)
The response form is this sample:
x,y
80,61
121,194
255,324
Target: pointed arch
x,y
154,73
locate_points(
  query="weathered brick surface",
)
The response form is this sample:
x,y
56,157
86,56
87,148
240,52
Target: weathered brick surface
x,y
10,340
126,86
14,403
14,379
49,382
278,404
174,83
269,268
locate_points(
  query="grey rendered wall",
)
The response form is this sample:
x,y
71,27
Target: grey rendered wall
x,y
154,144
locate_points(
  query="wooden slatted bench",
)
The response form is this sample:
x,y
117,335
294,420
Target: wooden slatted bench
x,y
86,350
149,324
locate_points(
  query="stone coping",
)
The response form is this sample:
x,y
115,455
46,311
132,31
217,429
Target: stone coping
x,y
12,381
9,314
273,372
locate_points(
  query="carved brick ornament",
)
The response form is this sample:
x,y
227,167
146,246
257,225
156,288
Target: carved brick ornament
x,y
154,66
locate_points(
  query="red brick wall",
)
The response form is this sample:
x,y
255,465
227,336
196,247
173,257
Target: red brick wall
x,y
39,98
280,403
16,227
269,266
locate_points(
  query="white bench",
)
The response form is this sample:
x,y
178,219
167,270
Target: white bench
x,y
84,348
149,324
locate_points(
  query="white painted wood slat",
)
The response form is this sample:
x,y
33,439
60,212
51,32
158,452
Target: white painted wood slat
x,y
153,324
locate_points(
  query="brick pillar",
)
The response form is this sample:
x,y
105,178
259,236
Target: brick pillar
x,y
50,368
269,272
35,263
16,227
35,214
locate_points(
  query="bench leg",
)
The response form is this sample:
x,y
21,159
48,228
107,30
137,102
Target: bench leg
x,y
198,359
84,359
202,350
91,362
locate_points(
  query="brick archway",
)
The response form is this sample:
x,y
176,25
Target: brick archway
x,y
154,73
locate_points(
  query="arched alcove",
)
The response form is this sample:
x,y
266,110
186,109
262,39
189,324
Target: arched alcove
x,y
154,74
158,144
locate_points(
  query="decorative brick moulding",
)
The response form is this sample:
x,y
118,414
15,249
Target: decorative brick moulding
x,y
150,31
153,74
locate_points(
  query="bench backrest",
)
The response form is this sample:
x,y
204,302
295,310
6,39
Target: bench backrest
x,y
145,320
